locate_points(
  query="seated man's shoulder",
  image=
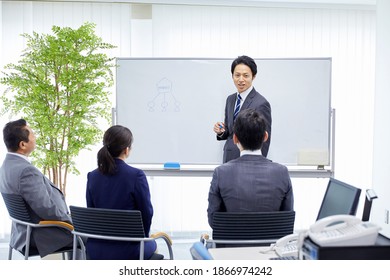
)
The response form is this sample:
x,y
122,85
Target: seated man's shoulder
x,y
276,166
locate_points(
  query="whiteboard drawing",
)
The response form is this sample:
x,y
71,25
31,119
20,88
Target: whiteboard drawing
x,y
164,97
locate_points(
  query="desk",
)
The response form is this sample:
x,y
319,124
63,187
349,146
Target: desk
x,y
242,253
379,251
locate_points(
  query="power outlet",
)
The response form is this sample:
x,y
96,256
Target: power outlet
x,y
387,216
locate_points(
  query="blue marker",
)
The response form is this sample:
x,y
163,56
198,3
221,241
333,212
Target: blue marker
x,y
171,165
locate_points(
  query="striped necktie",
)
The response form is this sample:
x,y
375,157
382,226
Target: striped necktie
x,y
238,105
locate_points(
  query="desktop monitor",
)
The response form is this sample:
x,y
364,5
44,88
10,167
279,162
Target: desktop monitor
x,y
339,198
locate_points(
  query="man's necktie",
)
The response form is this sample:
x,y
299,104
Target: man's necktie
x,y
238,105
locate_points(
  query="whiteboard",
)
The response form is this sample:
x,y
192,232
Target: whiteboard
x,y
171,105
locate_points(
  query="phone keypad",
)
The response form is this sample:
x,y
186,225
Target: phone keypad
x,y
291,247
285,258
341,231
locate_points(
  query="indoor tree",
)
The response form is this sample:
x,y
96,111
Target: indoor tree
x,y
61,86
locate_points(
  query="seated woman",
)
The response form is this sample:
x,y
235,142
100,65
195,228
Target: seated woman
x,y
117,185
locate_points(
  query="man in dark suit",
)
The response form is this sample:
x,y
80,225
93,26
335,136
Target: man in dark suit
x,y
19,176
244,70
250,183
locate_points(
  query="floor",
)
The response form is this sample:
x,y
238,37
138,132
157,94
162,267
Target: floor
x,y
180,247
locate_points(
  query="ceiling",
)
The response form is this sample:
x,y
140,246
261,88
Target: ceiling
x,y
231,2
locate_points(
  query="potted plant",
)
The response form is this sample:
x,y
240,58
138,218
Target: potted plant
x,y
60,86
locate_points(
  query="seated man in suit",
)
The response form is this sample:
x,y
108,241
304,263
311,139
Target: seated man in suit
x,y
19,176
250,183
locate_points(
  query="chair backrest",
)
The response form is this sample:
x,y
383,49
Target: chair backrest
x,y
108,222
252,225
19,211
199,252
17,207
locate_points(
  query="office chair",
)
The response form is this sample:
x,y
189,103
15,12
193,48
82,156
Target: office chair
x,y
199,252
113,224
232,229
19,214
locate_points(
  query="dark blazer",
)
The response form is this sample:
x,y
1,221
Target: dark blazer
x,y
18,176
250,183
256,101
128,189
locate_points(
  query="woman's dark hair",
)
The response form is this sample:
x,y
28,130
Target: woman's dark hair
x,y
13,133
246,60
115,140
249,127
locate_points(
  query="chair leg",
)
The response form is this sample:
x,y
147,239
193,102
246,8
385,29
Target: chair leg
x,y
10,253
82,248
28,236
141,250
170,252
74,246
78,240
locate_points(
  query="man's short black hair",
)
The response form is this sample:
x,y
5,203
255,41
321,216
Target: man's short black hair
x,y
246,60
249,127
13,133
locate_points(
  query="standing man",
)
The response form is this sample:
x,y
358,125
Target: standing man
x,y
250,183
46,202
244,70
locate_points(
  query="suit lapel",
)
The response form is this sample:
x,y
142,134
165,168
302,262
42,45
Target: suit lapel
x,y
248,99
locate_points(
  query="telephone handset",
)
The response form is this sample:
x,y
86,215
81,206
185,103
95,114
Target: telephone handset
x,y
343,230
287,246
337,230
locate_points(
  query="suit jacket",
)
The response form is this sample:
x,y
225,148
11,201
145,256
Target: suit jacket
x,y
46,202
254,100
250,183
127,189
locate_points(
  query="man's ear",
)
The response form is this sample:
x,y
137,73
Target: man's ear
x,y
22,145
235,139
265,136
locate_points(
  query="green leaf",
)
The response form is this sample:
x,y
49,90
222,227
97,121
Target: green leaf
x,y
60,85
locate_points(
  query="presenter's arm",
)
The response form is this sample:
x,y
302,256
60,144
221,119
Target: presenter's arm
x,y
219,129
265,110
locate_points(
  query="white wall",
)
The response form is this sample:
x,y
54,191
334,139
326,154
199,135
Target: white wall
x,y
381,166
345,34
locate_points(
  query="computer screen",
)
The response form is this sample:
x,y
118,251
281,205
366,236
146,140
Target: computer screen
x,y
339,198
